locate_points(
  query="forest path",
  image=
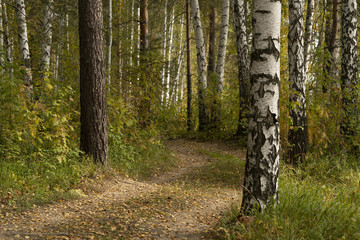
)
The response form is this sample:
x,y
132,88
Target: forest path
x,y
185,203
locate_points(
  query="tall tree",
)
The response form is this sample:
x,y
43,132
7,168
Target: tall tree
x,y
24,45
93,118
109,41
201,60
308,32
240,14
220,64
262,161
163,73
144,46
47,38
188,68
349,65
298,132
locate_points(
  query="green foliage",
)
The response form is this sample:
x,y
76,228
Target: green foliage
x,y
317,201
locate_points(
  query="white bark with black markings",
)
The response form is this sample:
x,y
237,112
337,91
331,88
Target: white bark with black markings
x,y
47,37
24,44
201,60
262,161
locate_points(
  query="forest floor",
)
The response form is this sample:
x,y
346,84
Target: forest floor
x,y
185,203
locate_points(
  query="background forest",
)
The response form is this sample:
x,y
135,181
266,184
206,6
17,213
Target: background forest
x,y
155,91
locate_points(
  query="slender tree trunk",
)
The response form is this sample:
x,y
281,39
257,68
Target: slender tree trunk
x,y
177,83
24,45
188,69
298,133
349,66
262,161
109,42
168,75
132,32
144,46
8,40
201,60
220,65
240,13
163,73
308,33
47,39
93,118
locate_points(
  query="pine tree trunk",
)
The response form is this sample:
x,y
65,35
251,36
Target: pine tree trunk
x,y
93,118
201,60
109,42
298,135
308,33
262,161
24,45
240,10
188,69
349,66
220,65
47,39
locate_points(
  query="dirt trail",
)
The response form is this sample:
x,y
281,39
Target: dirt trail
x,y
185,203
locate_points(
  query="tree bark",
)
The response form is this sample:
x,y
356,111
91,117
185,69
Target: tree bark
x,y
201,60
349,66
144,109
220,65
188,69
109,43
240,13
47,39
8,40
262,161
24,45
163,73
298,132
93,118
308,33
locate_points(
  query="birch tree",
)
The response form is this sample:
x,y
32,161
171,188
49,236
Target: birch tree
x,y
262,161
298,136
220,65
188,69
47,38
93,117
163,72
8,39
24,45
308,32
201,61
349,65
243,63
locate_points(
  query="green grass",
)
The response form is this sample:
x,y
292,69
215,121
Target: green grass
x,y
315,203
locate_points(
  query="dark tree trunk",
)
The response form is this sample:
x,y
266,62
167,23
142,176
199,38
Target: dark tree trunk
x,y
144,108
298,133
212,64
188,47
94,138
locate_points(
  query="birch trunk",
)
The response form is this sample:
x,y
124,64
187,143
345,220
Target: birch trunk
x,y
298,135
24,45
188,69
163,73
240,10
308,33
201,60
109,42
47,38
168,75
220,65
132,31
179,63
262,161
349,66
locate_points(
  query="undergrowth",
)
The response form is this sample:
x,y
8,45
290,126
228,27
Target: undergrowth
x,y
318,200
